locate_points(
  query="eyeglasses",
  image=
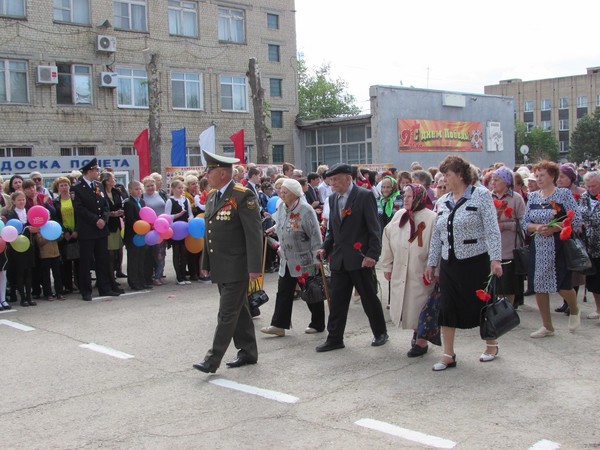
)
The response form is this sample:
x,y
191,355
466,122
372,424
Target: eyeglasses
x,y
37,179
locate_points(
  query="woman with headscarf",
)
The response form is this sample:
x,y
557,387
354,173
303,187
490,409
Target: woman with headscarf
x,y
405,247
510,209
390,200
589,205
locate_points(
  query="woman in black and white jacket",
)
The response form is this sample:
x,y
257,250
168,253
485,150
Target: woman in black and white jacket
x,y
467,247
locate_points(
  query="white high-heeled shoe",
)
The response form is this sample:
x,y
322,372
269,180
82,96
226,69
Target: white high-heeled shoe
x,y
439,366
487,357
574,321
273,330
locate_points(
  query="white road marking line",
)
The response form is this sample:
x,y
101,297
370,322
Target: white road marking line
x,y
415,436
122,295
107,351
545,444
8,311
271,395
18,326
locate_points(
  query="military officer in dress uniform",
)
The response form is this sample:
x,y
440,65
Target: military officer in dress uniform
x,y
91,217
232,257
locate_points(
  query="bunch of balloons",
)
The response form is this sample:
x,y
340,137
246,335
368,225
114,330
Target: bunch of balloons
x,y
152,230
38,217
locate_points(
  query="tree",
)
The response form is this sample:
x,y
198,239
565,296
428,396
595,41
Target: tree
x,y
542,143
261,131
321,97
585,140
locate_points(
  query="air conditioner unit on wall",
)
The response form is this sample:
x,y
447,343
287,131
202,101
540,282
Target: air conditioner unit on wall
x,y
108,79
106,43
47,74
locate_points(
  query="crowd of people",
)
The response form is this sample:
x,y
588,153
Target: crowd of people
x,y
450,228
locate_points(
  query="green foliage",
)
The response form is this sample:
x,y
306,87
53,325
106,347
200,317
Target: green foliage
x,y
585,140
320,97
542,144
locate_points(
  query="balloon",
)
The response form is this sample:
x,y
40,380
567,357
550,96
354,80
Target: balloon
x,y
16,223
272,204
196,227
152,237
161,224
9,233
2,244
21,244
167,234
141,227
1,225
51,230
147,214
138,240
194,245
180,230
167,217
37,216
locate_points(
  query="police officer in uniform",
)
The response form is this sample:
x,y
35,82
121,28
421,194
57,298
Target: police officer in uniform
x,y
232,257
91,216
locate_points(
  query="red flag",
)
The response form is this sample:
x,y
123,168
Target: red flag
x,y
142,148
238,145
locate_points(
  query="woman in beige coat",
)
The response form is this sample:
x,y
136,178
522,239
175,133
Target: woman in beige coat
x,y
405,246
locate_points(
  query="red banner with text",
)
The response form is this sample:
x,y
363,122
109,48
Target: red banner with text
x,y
439,136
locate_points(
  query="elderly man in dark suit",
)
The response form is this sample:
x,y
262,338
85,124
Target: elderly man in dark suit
x,y
354,243
91,217
233,243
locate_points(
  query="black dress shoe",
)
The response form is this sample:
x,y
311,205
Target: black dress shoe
x,y
204,366
120,290
121,275
32,303
328,346
86,297
239,362
562,308
417,350
110,294
379,340
255,312
24,303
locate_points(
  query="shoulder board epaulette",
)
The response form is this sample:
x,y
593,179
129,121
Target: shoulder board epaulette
x,y
240,188
211,191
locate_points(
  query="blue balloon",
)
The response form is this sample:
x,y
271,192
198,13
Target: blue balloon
x,y
17,224
272,204
139,240
1,225
51,230
196,227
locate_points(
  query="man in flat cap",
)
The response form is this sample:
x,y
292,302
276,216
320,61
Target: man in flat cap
x,y
354,244
232,256
91,216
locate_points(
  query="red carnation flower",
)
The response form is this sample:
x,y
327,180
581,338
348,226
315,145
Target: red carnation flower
x,y
566,222
598,197
508,212
577,196
570,214
566,233
357,246
298,268
497,203
305,275
301,280
482,295
425,281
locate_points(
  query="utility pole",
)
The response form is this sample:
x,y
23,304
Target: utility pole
x,y
154,125
261,131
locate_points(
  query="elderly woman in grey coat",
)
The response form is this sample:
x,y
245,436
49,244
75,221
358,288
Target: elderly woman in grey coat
x,y
299,239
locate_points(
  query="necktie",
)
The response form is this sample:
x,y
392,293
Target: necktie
x,y
218,196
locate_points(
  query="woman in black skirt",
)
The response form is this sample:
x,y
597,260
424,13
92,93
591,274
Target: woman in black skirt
x,y
466,246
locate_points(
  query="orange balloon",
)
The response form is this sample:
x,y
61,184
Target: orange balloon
x,y
194,245
141,227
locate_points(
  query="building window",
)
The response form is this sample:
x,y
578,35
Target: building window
x,y
598,100
276,119
528,106
15,152
546,104
78,151
274,53
12,8
529,126
582,102
132,88
13,81
72,11
275,87
278,156
231,25
183,18
192,155
546,125
563,103
273,21
74,85
564,146
563,125
130,15
128,151
187,90
233,94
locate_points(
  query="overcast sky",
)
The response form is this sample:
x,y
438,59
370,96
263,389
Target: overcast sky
x,y
462,45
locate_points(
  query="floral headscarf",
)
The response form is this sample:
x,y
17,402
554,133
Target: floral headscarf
x,y
387,203
420,201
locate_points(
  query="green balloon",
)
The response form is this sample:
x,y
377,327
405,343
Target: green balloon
x,y
21,244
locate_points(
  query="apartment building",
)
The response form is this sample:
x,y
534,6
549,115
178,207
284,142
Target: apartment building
x,y
554,104
74,80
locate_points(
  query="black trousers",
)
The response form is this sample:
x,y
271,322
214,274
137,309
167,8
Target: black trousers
x,y
282,316
49,265
342,283
94,252
179,259
135,265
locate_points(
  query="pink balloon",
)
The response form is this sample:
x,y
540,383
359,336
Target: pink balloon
x,y
9,233
2,245
37,216
167,234
161,225
147,214
167,217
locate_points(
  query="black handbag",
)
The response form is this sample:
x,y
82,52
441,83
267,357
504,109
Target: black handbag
x,y
520,253
498,316
428,327
576,254
256,296
72,251
313,290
